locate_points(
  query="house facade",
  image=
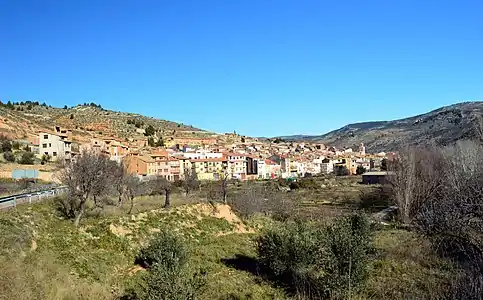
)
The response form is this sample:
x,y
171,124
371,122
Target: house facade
x,y
55,145
142,165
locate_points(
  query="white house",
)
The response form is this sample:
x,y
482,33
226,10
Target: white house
x,y
55,145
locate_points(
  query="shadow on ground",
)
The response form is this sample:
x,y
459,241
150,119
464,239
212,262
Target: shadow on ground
x,y
253,266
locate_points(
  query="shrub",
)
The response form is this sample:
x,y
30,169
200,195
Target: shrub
x,y
15,145
6,145
318,261
9,156
167,250
360,170
27,158
308,183
294,185
168,277
45,159
341,171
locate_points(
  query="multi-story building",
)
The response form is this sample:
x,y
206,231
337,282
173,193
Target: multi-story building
x,y
57,144
111,147
326,166
263,171
273,169
141,165
209,168
202,154
251,167
237,165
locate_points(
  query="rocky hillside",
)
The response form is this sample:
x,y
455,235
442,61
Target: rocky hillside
x,y
442,126
22,121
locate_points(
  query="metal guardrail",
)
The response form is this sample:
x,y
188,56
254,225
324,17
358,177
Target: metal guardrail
x,y
29,197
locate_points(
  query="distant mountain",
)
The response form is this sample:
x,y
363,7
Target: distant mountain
x,y
441,126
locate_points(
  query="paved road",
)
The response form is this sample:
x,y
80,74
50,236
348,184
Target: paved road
x,y
29,197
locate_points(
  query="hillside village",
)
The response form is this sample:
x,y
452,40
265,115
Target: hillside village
x,y
173,153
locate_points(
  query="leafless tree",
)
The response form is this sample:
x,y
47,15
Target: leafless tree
x,y
224,177
118,174
132,187
161,185
416,177
190,181
266,199
440,193
86,178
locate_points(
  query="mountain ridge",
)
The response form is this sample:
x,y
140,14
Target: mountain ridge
x,y
442,126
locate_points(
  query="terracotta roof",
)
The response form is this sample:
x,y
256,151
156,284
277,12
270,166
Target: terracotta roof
x,y
208,159
159,153
145,158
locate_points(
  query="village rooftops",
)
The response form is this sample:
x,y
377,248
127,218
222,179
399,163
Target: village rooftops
x,y
145,158
214,159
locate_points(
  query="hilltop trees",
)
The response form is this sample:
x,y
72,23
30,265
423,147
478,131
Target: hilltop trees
x,y
151,142
149,131
160,142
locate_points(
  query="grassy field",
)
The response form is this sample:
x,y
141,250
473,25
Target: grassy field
x,y
45,257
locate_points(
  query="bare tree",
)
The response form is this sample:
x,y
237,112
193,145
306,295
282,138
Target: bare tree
x,y
85,178
265,199
416,177
132,188
440,193
161,185
224,177
118,174
190,181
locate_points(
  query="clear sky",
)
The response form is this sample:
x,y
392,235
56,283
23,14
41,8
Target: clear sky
x,y
262,68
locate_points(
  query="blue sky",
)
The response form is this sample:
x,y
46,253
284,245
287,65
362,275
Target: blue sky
x,y
262,68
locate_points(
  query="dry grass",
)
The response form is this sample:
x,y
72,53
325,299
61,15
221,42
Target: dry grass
x,y
407,268
41,276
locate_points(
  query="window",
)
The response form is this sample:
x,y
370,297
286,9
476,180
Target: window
x,y
46,136
44,145
54,153
50,145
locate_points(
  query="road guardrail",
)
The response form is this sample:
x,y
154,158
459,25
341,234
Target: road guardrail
x,y
29,197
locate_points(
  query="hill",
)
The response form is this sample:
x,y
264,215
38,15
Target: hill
x,y
22,121
442,126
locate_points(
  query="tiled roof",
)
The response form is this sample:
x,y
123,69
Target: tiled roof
x,y
215,159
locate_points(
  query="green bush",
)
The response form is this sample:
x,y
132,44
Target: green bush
x,y
349,241
27,158
6,145
166,284
318,261
360,170
15,145
168,275
166,249
9,156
